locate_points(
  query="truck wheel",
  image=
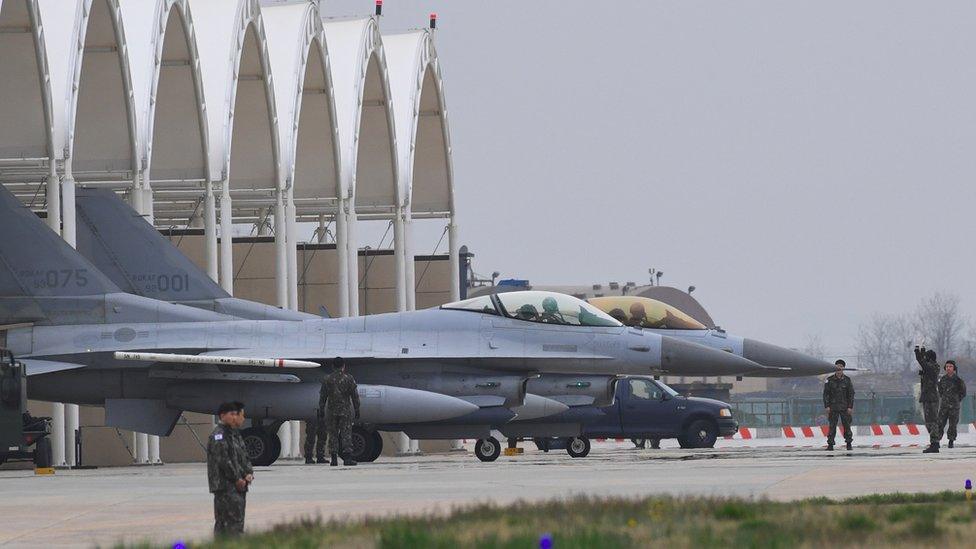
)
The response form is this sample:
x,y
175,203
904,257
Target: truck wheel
x,y
263,447
701,433
487,449
43,456
578,447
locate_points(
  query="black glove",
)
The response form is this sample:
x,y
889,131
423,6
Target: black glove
x,y
918,353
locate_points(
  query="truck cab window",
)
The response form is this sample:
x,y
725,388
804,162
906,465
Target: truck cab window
x,y
645,390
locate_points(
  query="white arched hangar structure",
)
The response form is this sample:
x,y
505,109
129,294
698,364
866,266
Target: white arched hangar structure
x,y
230,115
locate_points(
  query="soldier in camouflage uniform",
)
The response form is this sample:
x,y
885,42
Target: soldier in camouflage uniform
x,y
339,402
929,395
315,439
229,470
838,399
952,389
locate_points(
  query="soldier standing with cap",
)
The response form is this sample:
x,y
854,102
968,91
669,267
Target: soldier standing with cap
x,y
929,394
229,471
838,399
952,389
339,401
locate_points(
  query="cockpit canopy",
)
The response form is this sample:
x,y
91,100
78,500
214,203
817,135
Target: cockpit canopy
x,y
645,312
537,306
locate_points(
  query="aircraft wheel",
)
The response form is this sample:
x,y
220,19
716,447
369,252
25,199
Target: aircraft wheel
x,y
377,445
263,448
488,449
701,433
578,447
43,456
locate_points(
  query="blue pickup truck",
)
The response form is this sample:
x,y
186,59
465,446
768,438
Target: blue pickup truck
x,y
648,410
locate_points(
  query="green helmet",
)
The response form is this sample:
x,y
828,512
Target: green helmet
x,y
549,305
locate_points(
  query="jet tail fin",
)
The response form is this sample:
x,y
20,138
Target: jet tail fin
x,y
133,254
43,280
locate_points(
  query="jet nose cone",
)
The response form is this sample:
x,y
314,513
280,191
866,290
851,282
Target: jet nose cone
x,y
777,358
685,358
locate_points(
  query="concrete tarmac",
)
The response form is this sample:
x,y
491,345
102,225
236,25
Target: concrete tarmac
x,y
169,503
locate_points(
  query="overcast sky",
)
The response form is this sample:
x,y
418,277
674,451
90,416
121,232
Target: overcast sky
x,y
804,164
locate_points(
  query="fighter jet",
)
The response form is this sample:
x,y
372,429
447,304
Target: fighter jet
x,y
667,320
85,341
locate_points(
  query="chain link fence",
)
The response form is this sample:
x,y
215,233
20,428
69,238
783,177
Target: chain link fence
x,y
869,409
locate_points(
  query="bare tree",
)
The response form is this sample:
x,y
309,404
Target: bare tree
x,y
814,346
884,344
940,323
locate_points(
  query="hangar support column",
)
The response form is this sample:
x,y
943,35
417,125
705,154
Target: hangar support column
x,y
281,252
69,233
401,261
226,239
210,231
54,221
342,250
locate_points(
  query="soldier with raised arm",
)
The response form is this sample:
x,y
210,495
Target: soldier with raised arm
x,y
929,394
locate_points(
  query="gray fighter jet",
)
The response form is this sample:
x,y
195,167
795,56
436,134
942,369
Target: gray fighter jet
x,y
85,341
137,258
667,320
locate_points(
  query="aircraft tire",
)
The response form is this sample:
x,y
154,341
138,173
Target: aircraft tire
x,y
487,449
578,447
263,447
366,445
700,433
377,445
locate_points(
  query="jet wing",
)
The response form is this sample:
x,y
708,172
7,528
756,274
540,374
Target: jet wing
x,y
37,367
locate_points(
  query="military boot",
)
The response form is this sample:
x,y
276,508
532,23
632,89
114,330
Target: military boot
x,y
830,447
335,460
309,460
320,459
348,461
950,443
849,446
932,449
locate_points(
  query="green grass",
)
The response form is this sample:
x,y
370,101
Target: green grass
x,y
891,520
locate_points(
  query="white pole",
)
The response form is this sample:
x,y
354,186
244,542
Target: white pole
x,y
402,444
154,450
210,232
54,221
342,252
69,233
226,239
57,434
352,245
452,245
321,231
410,263
399,257
281,250
296,436
284,435
291,223
142,448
